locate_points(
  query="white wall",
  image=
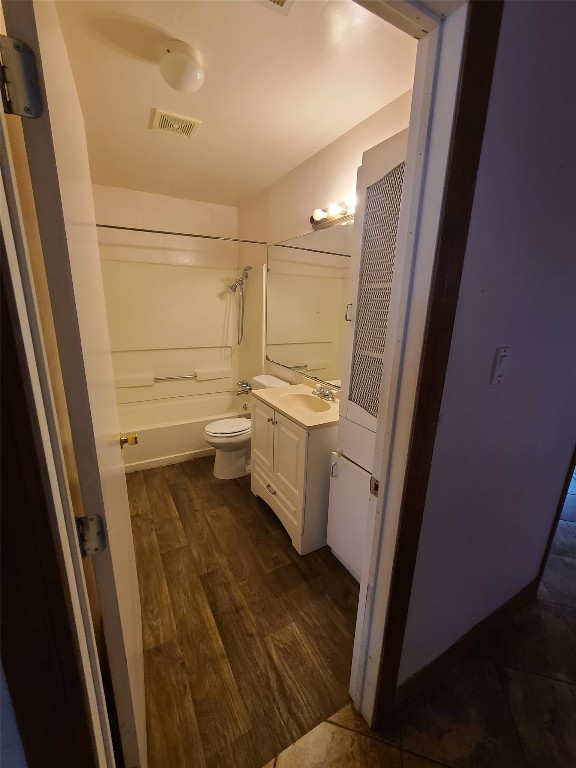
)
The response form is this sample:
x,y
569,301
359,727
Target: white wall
x,y
170,313
129,208
283,210
502,451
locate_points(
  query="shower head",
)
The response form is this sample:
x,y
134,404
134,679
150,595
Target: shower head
x,y
246,269
233,286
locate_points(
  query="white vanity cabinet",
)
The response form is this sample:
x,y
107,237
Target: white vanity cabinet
x,y
291,473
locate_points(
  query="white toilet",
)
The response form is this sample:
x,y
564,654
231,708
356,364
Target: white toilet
x,y
231,437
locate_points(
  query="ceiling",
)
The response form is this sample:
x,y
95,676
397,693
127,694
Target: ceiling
x,y
279,87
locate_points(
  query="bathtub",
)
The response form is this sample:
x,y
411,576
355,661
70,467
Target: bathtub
x,y
172,430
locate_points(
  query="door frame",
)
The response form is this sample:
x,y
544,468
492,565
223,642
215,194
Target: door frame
x,y
450,100
73,314
53,514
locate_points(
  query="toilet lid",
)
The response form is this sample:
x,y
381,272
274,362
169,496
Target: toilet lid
x,y
228,427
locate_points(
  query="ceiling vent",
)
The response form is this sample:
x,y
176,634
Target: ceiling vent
x,y
164,121
282,6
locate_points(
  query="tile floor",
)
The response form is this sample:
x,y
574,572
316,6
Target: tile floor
x,y
509,704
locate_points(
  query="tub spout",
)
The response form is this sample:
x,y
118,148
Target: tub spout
x,y
245,388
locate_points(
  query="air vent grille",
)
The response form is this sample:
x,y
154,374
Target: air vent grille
x,y
283,6
164,121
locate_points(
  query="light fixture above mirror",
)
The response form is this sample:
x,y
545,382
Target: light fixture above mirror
x,y
335,213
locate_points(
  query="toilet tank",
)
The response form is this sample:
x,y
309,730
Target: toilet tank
x,y
267,382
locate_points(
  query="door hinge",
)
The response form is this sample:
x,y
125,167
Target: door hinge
x,y
91,534
19,78
374,486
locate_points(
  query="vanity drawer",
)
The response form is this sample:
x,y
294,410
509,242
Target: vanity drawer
x,y
286,509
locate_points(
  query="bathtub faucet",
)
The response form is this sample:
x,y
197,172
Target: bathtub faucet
x,y
245,388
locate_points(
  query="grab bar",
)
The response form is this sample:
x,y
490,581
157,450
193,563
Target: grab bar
x,y
176,378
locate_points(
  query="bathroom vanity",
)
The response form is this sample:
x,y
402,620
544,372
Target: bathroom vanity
x,y
293,436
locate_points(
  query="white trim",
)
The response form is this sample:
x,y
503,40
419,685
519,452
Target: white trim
x,y
434,99
411,17
62,516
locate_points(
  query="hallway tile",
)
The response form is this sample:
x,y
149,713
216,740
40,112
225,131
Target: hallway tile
x,y
543,711
569,510
536,639
570,616
564,541
410,760
349,718
463,720
544,593
560,578
329,746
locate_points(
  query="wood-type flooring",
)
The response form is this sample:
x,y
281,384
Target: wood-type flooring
x,y
247,645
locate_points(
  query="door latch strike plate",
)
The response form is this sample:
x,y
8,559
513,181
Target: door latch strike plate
x,y
91,534
374,486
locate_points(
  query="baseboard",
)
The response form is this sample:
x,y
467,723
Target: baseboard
x,y
421,679
163,461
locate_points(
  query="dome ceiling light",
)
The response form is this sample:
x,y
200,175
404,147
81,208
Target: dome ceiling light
x,y
181,66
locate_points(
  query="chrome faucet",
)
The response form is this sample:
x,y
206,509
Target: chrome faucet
x,y
324,392
245,388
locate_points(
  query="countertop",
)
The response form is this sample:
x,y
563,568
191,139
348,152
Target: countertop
x,y
293,409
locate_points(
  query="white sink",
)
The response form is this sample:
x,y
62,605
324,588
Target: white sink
x,y
306,402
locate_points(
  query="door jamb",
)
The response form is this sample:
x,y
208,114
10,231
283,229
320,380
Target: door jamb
x,y
384,597
399,512
50,450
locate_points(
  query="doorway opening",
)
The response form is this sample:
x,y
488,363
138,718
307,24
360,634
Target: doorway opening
x,y
175,365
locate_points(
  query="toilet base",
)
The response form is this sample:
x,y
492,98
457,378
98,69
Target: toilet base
x,y
228,465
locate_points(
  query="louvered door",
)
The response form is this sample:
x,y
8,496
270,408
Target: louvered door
x,y
380,181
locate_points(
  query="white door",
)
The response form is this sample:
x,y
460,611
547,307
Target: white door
x,y
348,512
379,190
58,162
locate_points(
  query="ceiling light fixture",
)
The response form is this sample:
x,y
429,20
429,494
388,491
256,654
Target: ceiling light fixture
x,y
181,66
335,213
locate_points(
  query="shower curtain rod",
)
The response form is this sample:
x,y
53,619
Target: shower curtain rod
x,y
181,234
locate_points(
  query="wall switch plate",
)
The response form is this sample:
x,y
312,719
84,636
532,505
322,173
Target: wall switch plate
x,y
500,365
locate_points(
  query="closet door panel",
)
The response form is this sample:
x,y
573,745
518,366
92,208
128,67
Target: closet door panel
x,y
290,458
263,436
379,192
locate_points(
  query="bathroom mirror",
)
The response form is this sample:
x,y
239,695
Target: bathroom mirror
x,y
305,301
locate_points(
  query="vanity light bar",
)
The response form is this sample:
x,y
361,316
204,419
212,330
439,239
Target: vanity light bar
x,y
335,213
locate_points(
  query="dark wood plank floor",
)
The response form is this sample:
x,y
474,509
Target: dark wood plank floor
x,y
247,645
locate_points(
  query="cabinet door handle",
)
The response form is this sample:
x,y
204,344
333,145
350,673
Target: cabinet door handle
x,y
270,490
333,472
347,315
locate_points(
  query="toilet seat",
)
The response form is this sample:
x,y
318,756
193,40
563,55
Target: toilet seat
x,y
228,427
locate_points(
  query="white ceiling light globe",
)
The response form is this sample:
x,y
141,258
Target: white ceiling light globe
x,y
181,67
